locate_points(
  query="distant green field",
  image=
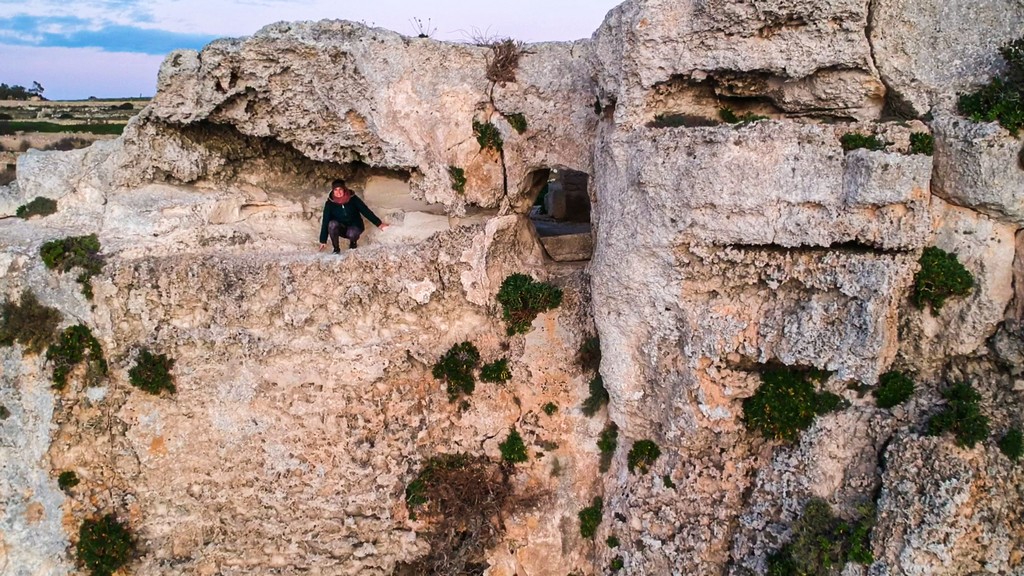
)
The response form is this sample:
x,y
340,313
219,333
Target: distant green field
x,y
12,126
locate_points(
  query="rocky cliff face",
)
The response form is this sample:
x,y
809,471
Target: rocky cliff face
x,y
305,403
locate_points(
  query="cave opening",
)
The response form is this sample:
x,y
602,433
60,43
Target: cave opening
x,y
560,213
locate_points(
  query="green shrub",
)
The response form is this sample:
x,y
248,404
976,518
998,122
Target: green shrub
x,y
458,178
962,416
612,542
941,275
1012,444
456,368
517,121
522,298
152,372
823,543
52,127
853,140
590,518
786,403
673,120
598,396
75,343
642,455
922,143
67,480
589,355
894,388
512,449
104,545
616,564
488,136
607,443
497,371
40,206
730,117
1002,99
29,323
81,252
550,408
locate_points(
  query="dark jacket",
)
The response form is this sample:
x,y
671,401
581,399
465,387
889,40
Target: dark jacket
x,y
347,214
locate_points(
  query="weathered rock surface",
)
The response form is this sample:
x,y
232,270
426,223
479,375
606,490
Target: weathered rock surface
x,y
978,165
806,56
930,50
305,400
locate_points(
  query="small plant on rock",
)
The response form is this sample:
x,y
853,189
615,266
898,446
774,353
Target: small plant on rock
x,y
1002,99
674,120
75,344
598,396
67,480
853,141
456,368
458,178
82,252
1012,444
488,136
590,517
894,388
517,121
497,371
607,443
152,372
40,206
589,355
550,408
513,450
612,541
922,143
642,455
941,276
962,416
730,117
616,564
667,481
28,322
823,543
786,403
504,60
104,545
522,298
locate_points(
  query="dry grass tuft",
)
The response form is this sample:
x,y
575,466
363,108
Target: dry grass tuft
x,y
504,60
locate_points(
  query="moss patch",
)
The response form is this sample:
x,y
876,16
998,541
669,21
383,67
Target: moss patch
x,y
76,344
941,276
497,371
894,388
28,323
787,403
962,416
522,298
590,517
39,206
104,545
1012,444
922,143
456,369
642,455
82,252
152,372
517,121
853,141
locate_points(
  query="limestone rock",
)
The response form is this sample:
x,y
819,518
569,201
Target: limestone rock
x,y
986,248
978,165
930,50
806,56
945,510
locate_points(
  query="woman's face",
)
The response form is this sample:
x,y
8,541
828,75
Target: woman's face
x,y
339,192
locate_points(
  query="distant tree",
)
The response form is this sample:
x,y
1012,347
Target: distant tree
x,y
14,92
36,89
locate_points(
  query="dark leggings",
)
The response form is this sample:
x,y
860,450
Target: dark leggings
x,y
335,228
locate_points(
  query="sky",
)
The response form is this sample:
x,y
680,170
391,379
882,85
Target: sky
x,y
113,48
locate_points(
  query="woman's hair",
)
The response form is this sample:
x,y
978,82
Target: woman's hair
x,y
339,183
